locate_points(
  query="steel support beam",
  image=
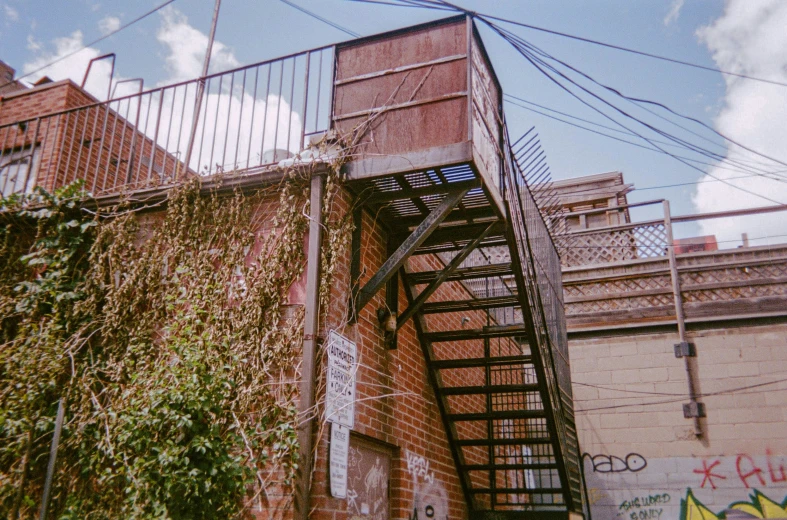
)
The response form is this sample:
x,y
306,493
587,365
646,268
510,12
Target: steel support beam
x,y
410,244
443,276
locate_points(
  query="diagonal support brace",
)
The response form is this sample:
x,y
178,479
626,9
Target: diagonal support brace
x,y
410,244
416,304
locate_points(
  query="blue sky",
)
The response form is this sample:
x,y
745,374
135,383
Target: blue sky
x,y
734,34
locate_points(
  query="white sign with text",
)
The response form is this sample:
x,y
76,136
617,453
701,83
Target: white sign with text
x,y
340,450
340,396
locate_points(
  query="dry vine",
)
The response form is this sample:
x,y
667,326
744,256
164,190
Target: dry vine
x,y
166,336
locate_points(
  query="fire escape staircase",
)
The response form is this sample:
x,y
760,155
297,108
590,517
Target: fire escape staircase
x,y
489,357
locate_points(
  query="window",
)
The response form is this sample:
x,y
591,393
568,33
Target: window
x,y
18,168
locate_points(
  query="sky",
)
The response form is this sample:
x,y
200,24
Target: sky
x,y
747,37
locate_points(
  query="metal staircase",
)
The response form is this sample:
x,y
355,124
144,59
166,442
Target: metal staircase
x,y
490,323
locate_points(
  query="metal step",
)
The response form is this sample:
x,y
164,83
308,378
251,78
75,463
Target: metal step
x,y
474,304
502,467
503,442
487,389
504,414
497,331
467,273
516,491
440,364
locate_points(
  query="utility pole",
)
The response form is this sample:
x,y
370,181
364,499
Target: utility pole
x,y
201,87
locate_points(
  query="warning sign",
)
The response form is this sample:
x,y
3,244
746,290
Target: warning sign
x,y
340,449
340,395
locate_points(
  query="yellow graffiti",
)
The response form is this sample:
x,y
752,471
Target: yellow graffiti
x,y
759,506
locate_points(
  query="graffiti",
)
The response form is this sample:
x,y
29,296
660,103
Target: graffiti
x,y
429,497
367,483
707,473
418,467
748,471
633,462
746,462
772,474
758,506
644,507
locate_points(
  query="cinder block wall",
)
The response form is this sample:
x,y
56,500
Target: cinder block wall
x,y
642,459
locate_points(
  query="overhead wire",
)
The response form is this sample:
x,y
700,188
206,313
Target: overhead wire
x,y
517,98
540,65
676,394
529,51
90,44
430,5
320,18
597,132
738,391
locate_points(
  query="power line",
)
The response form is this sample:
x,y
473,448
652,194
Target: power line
x,y
656,150
97,40
430,5
320,18
523,48
739,391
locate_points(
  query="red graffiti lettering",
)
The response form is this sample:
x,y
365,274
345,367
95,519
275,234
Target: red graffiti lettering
x,y
707,473
774,477
754,471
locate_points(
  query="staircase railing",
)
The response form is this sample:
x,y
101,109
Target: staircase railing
x,y
541,275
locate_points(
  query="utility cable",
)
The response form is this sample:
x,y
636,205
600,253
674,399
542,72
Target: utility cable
x,y
540,65
739,391
615,138
528,50
579,38
90,44
320,18
486,19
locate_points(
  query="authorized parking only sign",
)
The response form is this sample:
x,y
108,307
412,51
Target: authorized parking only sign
x,y
340,395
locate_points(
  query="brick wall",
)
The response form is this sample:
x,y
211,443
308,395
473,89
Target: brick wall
x,y
95,144
642,459
396,407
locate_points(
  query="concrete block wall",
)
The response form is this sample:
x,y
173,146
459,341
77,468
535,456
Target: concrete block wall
x,y
641,457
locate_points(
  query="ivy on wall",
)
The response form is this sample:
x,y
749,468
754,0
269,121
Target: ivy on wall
x,y
165,333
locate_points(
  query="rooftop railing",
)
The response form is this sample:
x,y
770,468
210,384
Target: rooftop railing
x,y
638,274
246,118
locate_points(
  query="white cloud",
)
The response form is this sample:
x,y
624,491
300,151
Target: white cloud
x,y
109,24
73,67
33,44
674,11
11,14
749,38
186,48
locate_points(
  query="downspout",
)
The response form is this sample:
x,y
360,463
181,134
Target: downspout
x,y
311,323
695,410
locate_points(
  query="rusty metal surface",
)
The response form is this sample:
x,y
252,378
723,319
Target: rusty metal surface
x,y
417,45
416,81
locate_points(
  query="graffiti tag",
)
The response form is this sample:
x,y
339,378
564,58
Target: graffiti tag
x,y
748,471
632,462
644,507
430,499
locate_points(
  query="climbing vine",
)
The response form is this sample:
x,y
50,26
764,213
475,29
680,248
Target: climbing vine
x,y
168,337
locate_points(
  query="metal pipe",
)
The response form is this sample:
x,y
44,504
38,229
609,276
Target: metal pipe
x,y
310,329
50,470
201,84
679,316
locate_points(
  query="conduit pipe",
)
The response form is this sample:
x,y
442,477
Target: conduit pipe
x,y
311,323
679,317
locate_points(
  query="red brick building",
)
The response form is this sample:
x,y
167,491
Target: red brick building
x,y
451,288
